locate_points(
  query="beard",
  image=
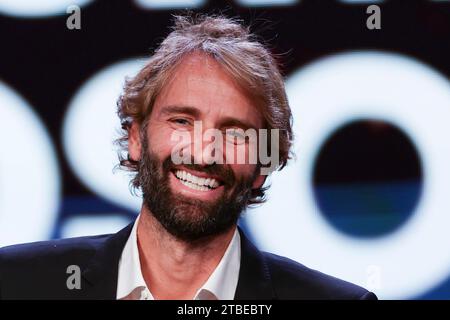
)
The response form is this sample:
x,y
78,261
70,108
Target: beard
x,y
186,218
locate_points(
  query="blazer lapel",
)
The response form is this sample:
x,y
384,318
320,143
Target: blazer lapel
x,y
100,275
254,276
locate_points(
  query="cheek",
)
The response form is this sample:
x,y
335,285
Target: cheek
x,y
243,170
160,141
244,155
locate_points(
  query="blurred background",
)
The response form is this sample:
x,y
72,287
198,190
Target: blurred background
x,y
366,198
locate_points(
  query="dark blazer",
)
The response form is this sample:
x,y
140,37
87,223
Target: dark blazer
x,y
39,271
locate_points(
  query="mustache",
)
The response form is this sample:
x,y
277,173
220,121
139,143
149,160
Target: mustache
x,y
223,172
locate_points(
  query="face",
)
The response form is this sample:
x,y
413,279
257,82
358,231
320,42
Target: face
x,y
204,197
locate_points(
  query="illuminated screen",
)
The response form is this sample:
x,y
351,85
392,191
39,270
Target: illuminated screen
x,y
366,196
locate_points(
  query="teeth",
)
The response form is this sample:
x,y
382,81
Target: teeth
x,y
214,183
195,182
194,186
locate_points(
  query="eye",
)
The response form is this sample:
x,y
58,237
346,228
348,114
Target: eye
x,y
235,136
180,121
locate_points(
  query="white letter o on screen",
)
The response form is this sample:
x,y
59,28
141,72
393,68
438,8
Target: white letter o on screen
x,y
327,94
29,175
91,125
38,9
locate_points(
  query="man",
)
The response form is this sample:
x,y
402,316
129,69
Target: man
x,y
209,73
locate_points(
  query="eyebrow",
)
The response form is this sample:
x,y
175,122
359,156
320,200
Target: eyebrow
x,y
169,110
195,112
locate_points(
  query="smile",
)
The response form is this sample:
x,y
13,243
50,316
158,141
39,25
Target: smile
x,y
195,182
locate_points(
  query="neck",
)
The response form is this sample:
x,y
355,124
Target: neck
x,y
172,268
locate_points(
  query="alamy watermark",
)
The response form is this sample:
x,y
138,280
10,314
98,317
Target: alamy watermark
x,y
374,20
73,21
374,277
74,279
232,146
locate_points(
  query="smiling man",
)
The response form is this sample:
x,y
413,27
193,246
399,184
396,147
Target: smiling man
x,y
206,89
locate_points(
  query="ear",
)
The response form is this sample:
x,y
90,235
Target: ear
x,y
134,142
259,181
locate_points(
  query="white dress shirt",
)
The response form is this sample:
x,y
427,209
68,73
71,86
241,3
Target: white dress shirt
x,y
221,284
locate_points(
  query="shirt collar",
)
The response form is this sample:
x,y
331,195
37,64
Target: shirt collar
x,y
130,276
223,281
221,284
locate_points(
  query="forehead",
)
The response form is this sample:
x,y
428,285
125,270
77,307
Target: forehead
x,y
201,82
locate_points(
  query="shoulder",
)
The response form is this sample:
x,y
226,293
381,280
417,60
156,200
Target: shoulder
x,y
292,280
51,248
39,270
47,255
